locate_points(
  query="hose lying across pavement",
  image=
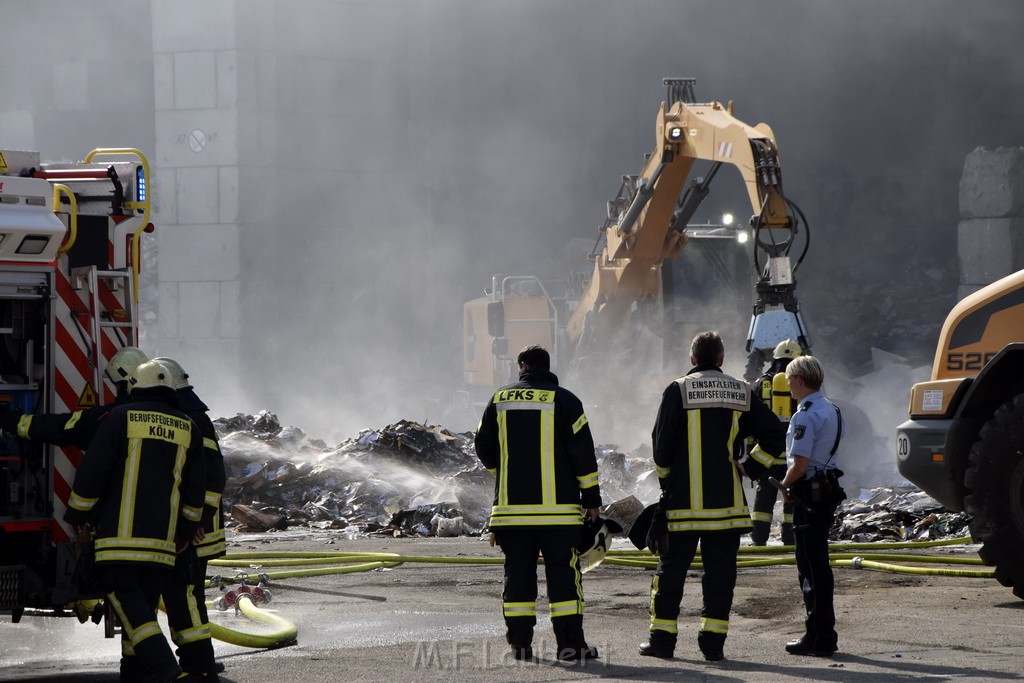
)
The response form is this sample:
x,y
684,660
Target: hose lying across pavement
x,y
321,563
282,633
341,562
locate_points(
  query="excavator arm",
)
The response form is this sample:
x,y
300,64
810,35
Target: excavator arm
x,y
647,224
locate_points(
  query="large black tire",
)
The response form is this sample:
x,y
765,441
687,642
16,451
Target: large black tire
x,y
995,479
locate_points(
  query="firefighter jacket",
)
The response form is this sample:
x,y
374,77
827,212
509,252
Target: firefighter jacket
x,y
774,392
212,545
64,429
141,481
535,439
698,437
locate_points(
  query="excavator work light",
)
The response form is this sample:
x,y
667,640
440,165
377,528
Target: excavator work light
x,y
675,133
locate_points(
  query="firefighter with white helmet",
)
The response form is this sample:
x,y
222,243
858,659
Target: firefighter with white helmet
x,y
773,390
122,364
145,454
186,603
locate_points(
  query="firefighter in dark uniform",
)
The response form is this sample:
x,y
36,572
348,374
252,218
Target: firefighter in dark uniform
x,y
699,453
535,439
140,486
186,603
77,428
813,479
774,391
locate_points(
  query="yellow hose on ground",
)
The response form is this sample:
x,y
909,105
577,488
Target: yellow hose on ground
x,y
775,555
861,563
323,571
284,632
323,563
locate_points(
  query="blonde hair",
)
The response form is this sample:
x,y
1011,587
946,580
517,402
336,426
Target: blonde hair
x,y
808,369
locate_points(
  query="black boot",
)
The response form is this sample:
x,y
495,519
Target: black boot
x,y
650,649
521,640
572,646
523,653
711,645
759,535
661,645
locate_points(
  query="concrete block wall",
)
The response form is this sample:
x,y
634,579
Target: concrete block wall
x,y
990,235
196,192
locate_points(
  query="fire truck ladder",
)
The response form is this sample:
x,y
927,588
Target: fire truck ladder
x,y
124,322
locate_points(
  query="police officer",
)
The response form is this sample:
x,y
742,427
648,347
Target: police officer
x,y
813,479
140,485
186,602
774,391
698,438
77,428
535,439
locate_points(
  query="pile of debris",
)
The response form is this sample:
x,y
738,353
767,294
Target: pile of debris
x,y
411,479
902,513
404,479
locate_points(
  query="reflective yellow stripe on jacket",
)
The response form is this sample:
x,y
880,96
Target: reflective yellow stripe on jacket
x,y
548,511
698,517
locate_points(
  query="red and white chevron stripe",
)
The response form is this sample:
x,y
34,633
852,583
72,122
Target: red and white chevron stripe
x,y
75,366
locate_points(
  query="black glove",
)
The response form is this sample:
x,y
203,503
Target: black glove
x,y
186,566
754,469
9,421
85,575
657,535
77,517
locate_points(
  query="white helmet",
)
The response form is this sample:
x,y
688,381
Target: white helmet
x,y
787,349
124,362
179,378
148,375
597,536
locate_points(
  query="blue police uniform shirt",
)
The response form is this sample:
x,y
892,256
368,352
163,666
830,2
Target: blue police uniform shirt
x,y
812,433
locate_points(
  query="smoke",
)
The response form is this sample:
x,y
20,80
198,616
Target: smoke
x,y
506,140
394,156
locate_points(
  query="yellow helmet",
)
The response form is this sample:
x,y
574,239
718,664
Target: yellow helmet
x,y
124,362
179,378
150,374
787,349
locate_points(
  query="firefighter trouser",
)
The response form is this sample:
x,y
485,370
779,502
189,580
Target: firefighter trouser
x,y
557,545
764,509
134,591
189,622
718,554
815,574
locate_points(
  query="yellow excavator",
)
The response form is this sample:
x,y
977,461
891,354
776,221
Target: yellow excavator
x,y
647,224
964,441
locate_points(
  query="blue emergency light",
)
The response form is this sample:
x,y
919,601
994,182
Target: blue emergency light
x,y
140,184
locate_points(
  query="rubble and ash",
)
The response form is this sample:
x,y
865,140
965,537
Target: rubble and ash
x,y
413,479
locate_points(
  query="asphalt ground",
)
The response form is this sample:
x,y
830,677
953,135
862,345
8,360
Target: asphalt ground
x,y
442,622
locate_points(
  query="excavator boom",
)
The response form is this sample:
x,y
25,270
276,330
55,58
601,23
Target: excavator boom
x,y
648,226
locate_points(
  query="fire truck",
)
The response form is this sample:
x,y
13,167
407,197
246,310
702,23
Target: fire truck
x,y
70,248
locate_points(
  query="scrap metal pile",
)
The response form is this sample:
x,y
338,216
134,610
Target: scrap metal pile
x,y
411,479
903,513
